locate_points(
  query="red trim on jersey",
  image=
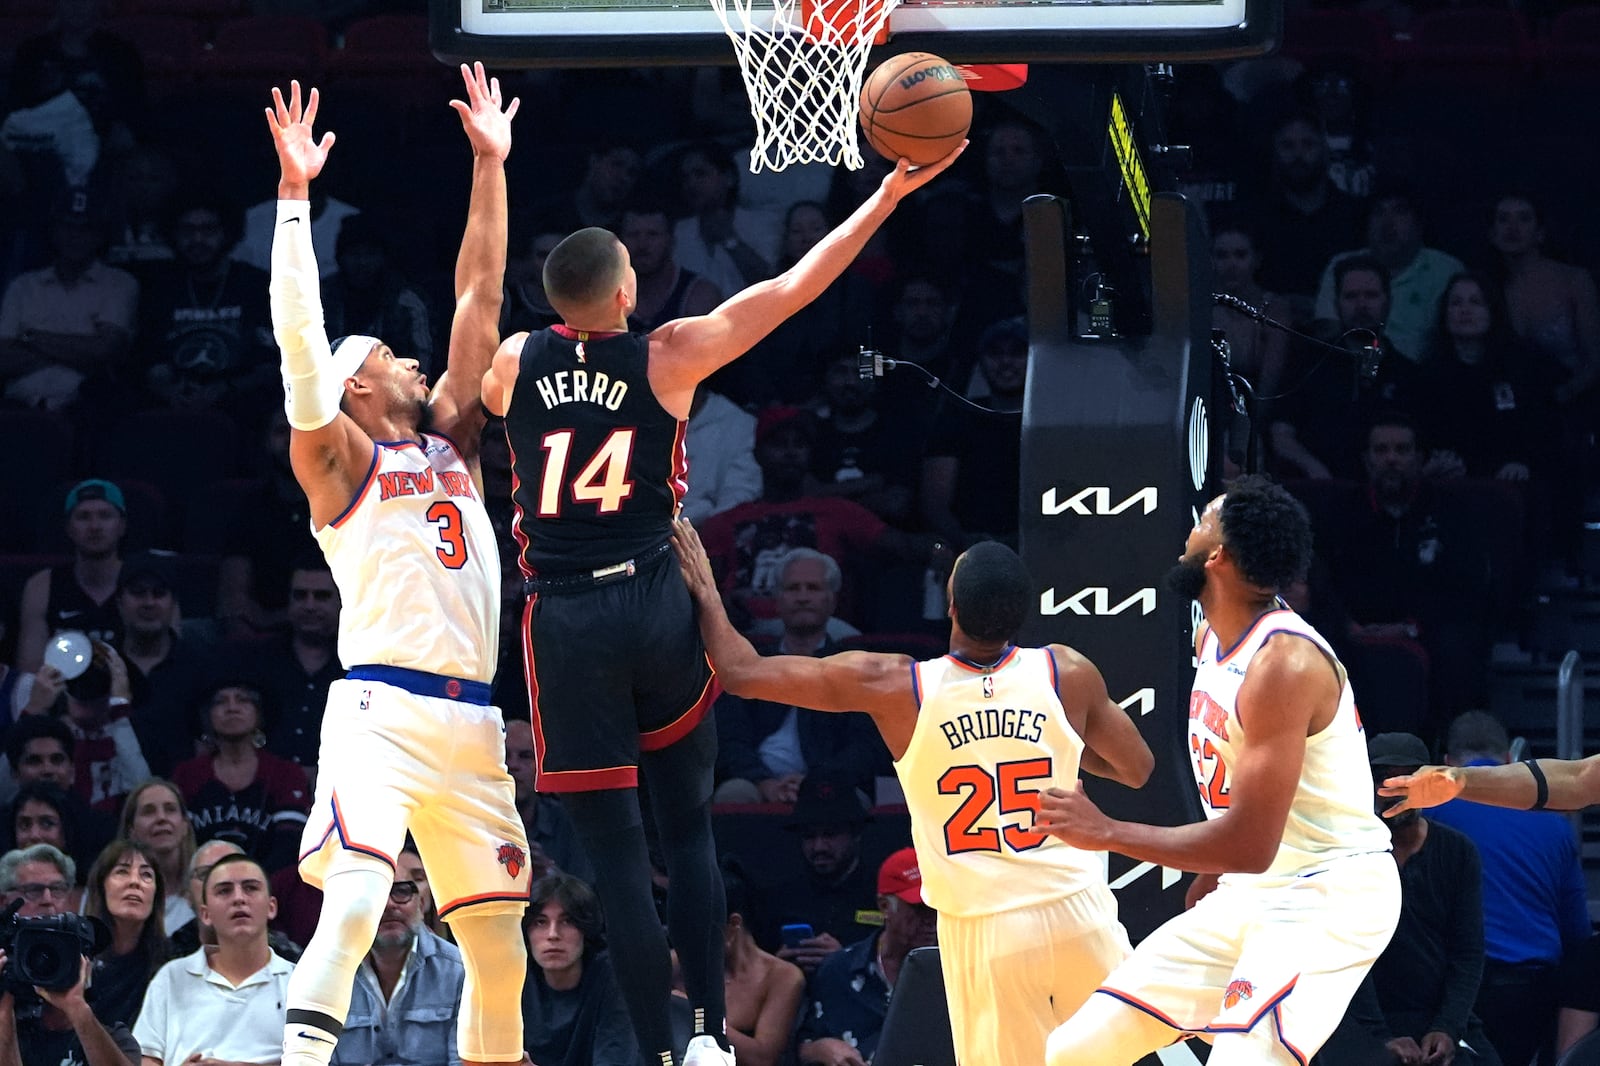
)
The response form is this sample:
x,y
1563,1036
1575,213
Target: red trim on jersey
x,y
366,485
337,827
674,731
482,897
974,668
561,780
1262,617
678,480
1138,1004
516,521
561,329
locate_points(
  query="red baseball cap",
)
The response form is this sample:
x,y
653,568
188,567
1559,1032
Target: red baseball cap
x,y
899,876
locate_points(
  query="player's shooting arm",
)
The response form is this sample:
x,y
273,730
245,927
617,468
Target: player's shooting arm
x,y
481,263
690,349
1113,748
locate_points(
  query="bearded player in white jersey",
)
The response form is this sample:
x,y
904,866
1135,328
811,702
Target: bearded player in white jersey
x,y
1027,925
1298,893
410,740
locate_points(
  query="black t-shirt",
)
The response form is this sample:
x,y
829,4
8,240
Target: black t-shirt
x,y
69,607
583,1026
117,988
42,1046
204,331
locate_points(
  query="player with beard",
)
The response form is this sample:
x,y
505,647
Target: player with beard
x,y
410,739
1297,893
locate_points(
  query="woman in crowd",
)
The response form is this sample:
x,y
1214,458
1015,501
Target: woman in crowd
x,y
763,992
126,892
1256,350
155,817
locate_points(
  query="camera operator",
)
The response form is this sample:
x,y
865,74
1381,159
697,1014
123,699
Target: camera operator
x,y
61,1030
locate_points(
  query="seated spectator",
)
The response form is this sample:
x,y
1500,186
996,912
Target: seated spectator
x,y
296,668
126,893
1580,995
65,328
223,1002
553,845
1417,275
205,331
765,750
849,995
763,992
837,896
166,670
572,1010
370,297
40,815
39,751
730,246
143,182
1256,350
720,444
81,594
524,306
858,453
155,817
64,1030
106,751
1535,900
239,791
328,215
610,175
80,54
268,539
971,467
666,290
407,992
187,938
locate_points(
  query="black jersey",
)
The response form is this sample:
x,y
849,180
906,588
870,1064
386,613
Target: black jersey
x,y
598,465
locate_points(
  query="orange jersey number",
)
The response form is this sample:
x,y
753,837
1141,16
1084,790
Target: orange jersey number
x,y
982,789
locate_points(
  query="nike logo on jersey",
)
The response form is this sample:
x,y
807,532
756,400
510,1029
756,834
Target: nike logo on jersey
x,y
286,221
303,1035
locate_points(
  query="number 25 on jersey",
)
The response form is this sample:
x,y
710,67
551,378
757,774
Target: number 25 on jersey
x,y
981,790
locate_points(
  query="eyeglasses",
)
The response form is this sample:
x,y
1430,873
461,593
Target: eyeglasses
x,y
403,891
35,892
200,873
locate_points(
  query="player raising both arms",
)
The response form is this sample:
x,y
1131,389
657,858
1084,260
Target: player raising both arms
x,y
410,740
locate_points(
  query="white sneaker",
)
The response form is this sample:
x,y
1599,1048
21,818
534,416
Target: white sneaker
x,y
704,1051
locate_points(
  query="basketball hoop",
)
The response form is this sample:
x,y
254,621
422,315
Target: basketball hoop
x,y
802,68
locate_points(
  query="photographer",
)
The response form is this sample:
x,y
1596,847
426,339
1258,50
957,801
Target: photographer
x,y
44,1027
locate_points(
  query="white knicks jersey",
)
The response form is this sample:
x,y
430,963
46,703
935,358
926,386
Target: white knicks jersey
x,y
1331,815
986,743
417,565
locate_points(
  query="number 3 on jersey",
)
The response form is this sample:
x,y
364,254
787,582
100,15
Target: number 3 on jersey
x,y
603,479
961,832
452,549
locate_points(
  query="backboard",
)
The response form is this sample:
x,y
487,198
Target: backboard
x,y
590,33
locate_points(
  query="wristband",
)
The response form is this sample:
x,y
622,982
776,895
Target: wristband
x,y
1543,786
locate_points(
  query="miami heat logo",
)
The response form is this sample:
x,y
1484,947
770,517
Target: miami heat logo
x,y
512,858
1237,992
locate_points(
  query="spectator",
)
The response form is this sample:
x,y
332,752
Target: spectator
x,y
1311,429
730,246
154,816
1427,978
553,845
368,296
1535,901
665,289
524,305
720,445
239,791
65,1030
611,172
106,754
1305,218
1580,995
835,897
39,751
858,453
40,815
764,993
205,334
1417,275
126,893
572,1010
1338,97
328,216
764,750
986,225
1256,350
100,69
187,938
850,993
296,668
143,186
81,594
65,328
223,1002
406,994
971,470
166,670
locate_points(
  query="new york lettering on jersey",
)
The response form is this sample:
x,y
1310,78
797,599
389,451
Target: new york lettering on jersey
x,y
599,465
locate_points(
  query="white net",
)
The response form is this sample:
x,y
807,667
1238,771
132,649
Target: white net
x,y
802,64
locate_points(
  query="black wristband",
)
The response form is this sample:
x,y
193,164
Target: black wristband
x,y
1540,783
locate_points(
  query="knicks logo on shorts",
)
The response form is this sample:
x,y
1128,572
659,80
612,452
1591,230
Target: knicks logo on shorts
x,y
1237,992
512,858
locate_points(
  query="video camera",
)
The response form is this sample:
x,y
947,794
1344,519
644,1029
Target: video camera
x,y
46,952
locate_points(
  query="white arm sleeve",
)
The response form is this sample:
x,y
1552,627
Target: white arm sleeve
x,y
310,396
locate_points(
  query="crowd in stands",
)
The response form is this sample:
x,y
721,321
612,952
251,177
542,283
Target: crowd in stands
x,y
1447,456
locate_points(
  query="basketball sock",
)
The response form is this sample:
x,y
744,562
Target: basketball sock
x,y
697,910
320,986
611,828
495,957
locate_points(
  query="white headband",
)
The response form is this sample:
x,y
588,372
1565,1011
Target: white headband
x,y
348,356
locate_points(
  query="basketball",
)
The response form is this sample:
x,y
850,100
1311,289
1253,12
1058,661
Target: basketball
x,y
916,106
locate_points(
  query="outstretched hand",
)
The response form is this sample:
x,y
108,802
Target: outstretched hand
x,y
487,126
300,154
1428,787
694,562
906,179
